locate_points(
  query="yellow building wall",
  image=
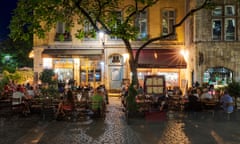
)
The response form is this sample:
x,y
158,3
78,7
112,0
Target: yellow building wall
x,y
154,23
155,17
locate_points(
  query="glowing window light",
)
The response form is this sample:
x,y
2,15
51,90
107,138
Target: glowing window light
x,y
47,63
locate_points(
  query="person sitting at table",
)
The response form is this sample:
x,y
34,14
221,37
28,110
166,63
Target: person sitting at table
x,y
205,96
30,92
67,104
208,102
227,102
194,101
19,101
98,104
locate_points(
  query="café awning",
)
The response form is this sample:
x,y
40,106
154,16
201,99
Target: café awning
x,y
161,58
83,52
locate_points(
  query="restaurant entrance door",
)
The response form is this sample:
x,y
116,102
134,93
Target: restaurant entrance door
x,y
90,73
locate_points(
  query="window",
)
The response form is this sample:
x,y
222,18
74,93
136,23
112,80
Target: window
x,y
115,59
141,24
89,32
61,32
229,29
118,16
47,63
90,75
217,29
224,23
60,27
229,10
168,20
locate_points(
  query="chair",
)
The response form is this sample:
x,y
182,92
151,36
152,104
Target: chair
x,y
48,110
5,107
210,106
228,115
98,108
17,105
229,111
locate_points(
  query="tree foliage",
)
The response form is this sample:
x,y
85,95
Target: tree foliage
x,y
17,52
19,77
47,76
234,90
49,87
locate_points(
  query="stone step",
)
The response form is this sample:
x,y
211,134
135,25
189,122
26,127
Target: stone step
x,y
114,94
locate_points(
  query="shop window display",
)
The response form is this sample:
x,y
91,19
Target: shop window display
x,y
218,76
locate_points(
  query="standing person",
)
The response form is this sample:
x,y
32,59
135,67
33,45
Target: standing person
x,y
227,102
104,93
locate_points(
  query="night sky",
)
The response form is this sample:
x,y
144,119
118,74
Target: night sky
x,y
6,9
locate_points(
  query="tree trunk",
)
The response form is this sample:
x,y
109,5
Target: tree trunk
x,y
133,67
133,63
132,92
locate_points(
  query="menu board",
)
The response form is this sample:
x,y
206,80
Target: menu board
x,y
154,84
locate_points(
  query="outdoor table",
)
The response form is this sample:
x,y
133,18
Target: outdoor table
x,y
210,106
144,105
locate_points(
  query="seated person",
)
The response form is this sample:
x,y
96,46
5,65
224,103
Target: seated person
x,y
30,93
98,104
66,105
20,100
205,96
194,102
162,102
227,102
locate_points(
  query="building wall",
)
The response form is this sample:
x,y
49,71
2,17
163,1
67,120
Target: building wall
x,y
117,47
215,53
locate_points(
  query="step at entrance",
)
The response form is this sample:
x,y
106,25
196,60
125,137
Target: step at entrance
x,y
111,94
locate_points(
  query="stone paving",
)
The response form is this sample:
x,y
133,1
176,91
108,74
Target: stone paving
x,y
177,128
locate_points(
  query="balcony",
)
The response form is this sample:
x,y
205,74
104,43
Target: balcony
x,y
63,37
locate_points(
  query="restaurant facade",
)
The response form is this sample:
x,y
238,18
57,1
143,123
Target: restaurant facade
x,y
206,54
104,59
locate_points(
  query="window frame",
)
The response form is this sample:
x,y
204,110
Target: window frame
x,y
168,19
60,27
140,22
119,20
87,27
225,17
61,32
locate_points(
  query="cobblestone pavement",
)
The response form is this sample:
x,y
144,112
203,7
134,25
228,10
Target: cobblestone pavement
x,y
177,128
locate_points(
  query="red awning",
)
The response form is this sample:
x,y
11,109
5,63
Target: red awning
x,y
161,58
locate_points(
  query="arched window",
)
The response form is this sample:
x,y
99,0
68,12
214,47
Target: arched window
x,y
218,76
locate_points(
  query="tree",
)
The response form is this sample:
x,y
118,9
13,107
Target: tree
x,y
19,77
49,87
14,54
234,90
100,14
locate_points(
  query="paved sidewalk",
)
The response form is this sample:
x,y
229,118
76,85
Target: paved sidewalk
x,y
176,128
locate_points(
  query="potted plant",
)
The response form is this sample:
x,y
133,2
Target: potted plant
x,y
49,91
